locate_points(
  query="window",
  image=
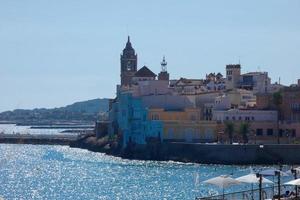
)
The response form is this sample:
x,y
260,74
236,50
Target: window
x,y
293,133
252,118
269,132
280,132
193,117
240,118
259,132
227,118
233,118
155,117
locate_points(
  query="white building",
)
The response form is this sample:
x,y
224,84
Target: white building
x,y
258,82
245,115
151,87
236,98
185,86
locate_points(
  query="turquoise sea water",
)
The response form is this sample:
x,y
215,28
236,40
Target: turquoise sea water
x,y
60,172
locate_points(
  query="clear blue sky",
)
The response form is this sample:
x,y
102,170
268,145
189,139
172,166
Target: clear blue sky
x,y
55,52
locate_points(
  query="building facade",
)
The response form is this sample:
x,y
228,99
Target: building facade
x,y
245,115
133,122
290,109
258,82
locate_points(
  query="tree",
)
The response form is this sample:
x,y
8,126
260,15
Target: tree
x,y
277,101
244,131
229,130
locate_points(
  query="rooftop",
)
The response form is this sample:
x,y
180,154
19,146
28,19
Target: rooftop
x,y
144,72
230,66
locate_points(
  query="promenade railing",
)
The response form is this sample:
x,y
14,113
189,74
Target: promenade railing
x,y
267,193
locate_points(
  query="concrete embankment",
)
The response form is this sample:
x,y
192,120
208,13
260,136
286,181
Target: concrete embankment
x,y
37,139
199,153
232,154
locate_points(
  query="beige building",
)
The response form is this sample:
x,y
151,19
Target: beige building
x,y
236,98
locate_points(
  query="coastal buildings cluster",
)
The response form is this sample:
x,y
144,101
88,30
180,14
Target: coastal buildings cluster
x,y
216,108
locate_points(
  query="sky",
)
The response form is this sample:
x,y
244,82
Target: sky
x,y
56,52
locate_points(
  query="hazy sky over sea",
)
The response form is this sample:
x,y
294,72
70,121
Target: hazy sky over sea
x,y
55,52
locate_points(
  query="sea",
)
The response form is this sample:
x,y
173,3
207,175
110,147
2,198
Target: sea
x,y
61,172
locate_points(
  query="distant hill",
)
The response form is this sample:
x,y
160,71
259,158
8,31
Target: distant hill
x,y
90,106
79,111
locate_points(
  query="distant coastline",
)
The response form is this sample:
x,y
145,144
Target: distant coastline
x,y
79,112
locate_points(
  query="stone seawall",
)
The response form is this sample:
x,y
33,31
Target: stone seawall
x,y
198,153
58,139
231,154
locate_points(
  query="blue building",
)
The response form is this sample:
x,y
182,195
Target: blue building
x,y
130,117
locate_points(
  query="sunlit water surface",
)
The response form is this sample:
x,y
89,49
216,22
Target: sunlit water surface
x,y
60,172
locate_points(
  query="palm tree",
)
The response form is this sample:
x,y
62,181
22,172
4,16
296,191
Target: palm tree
x,y
277,101
229,130
244,131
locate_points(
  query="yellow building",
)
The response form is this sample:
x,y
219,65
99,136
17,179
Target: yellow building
x,y
184,125
188,114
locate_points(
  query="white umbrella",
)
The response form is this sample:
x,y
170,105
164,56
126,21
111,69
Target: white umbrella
x,y
222,181
272,172
294,182
252,178
289,172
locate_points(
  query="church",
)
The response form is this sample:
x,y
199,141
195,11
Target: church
x,y
130,74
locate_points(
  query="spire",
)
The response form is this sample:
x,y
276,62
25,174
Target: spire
x,y
128,44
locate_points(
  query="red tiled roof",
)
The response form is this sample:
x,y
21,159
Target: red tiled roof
x,y
144,72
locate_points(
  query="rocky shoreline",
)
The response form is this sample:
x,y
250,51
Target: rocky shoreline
x,y
105,145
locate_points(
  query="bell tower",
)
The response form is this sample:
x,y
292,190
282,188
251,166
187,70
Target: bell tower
x,y
233,74
128,64
163,75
